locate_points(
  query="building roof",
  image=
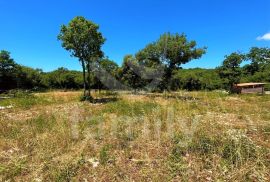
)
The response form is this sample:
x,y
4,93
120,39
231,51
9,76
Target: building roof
x,y
249,84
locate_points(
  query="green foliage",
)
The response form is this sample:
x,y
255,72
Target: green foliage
x,y
259,58
63,78
14,76
170,50
8,70
230,71
196,79
130,73
108,65
137,72
104,74
258,70
81,38
29,78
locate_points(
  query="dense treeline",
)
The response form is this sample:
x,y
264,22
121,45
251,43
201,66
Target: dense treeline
x,y
15,76
256,69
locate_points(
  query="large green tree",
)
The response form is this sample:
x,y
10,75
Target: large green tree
x,y
8,70
170,50
82,38
259,59
230,71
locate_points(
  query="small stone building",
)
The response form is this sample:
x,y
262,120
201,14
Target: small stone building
x,y
245,88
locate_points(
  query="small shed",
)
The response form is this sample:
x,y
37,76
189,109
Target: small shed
x,y
245,88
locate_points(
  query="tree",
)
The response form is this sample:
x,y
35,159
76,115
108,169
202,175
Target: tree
x,y
8,69
62,78
131,73
108,65
105,74
197,79
230,71
259,58
171,50
82,38
29,78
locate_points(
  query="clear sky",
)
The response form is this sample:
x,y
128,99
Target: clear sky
x,y
29,28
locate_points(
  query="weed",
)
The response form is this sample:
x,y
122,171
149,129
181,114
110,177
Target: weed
x,y
104,154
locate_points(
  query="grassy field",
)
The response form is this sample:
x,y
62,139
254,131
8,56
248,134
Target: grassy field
x,y
183,136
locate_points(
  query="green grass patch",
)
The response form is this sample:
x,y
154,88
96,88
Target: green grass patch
x,y
25,102
126,108
41,123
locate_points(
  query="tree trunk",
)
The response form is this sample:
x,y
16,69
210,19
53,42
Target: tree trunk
x,y
168,77
89,79
84,79
99,87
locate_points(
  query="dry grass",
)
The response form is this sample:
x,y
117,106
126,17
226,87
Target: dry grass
x,y
184,136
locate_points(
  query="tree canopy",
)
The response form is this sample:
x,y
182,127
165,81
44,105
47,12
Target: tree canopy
x,y
7,71
170,50
230,70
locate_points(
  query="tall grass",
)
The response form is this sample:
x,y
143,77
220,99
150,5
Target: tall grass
x,y
197,136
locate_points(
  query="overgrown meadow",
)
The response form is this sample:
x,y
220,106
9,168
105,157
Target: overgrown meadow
x,y
181,136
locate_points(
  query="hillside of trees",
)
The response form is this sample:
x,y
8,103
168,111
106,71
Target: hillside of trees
x,y
256,69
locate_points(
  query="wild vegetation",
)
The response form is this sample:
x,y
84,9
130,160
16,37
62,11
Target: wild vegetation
x,y
206,136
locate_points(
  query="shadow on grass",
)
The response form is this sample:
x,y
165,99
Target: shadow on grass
x,y
105,100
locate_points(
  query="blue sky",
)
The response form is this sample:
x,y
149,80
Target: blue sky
x,y
29,28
